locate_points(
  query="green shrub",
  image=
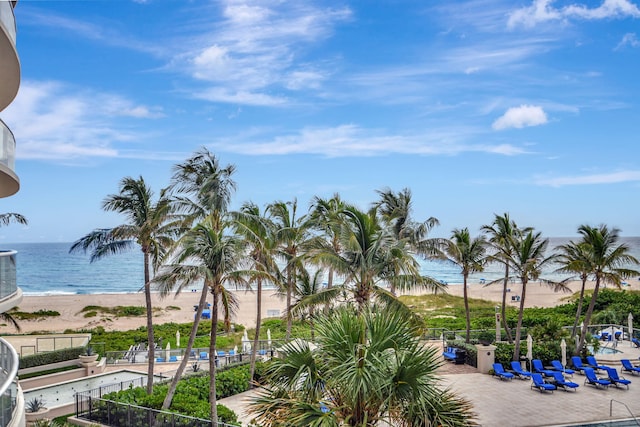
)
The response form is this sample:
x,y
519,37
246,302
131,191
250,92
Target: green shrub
x,y
50,357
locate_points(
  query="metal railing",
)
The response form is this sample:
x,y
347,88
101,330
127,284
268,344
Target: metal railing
x,y
8,283
8,382
625,405
117,414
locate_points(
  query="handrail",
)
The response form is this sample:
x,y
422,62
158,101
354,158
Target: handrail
x,y
625,405
8,354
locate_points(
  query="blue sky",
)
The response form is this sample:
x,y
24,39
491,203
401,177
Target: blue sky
x,y
529,107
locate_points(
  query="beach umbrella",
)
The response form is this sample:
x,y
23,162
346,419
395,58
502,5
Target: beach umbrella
x,y
178,338
269,338
563,347
630,320
167,352
529,349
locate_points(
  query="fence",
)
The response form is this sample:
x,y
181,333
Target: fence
x,y
116,414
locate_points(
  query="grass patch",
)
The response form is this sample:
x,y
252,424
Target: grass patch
x,y
40,314
118,311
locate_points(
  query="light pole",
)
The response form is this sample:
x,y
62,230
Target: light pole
x,y
498,323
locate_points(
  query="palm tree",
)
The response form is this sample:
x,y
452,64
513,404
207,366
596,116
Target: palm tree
x,y
8,218
526,259
501,231
208,252
369,369
470,256
395,211
609,262
370,256
204,189
150,226
574,258
307,286
257,232
291,234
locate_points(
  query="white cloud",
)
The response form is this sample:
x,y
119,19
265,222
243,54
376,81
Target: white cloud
x,y
55,121
629,39
353,141
604,178
541,11
519,117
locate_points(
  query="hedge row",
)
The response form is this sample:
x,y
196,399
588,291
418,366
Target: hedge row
x,y
50,357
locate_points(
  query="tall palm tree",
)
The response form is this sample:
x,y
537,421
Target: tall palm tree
x,y
500,232
10,217
369,369
291,234
307,285
574,258
203,190
370,257
257,232
610,263
150,226
208,252
526,260
470,255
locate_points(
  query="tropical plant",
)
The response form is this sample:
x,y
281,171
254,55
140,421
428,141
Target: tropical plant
x,y
291,234
369,369
574,258
203,190
150,227
35,404
610,264
307,285
501,232
526,259
208,252
6,219
470,255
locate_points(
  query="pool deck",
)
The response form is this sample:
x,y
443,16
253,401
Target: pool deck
x,y
514,403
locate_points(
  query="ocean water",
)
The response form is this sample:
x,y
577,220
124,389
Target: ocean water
x,y
49,268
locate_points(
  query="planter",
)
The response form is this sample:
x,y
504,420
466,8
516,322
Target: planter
x,y
87,361
32,417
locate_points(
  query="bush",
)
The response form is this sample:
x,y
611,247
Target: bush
x,y
50,357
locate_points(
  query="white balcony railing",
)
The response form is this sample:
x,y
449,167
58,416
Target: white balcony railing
x,y
8,283
9,182
8,382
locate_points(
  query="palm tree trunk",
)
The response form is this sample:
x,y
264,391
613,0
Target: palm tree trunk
x,y
579,309
289,292
185,359
466,308
212,361
505,283
516,350
150,338
587,316
256,337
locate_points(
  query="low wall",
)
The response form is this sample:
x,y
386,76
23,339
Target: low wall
x,y
56,378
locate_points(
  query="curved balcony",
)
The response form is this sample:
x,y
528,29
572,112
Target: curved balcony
x,y
9,61
9,390
9,182
10,293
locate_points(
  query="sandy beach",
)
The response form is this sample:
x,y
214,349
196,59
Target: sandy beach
x,y
180,309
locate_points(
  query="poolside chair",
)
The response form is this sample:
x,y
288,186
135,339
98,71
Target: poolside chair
x,y
204,355
498,371
593,380
577,364
560,381
557,366
628,367
516,367
539,368
593,363
616,379
636,341
538,382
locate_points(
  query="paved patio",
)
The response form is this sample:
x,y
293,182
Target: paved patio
x,y
515,404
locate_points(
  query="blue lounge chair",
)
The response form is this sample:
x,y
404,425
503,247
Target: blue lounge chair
x,y
516,367
538,382
160,359
557,366
173,358
593,380
539,368
577,364
560,381
204,355
628,367
593,363
617,379
498,371
636,341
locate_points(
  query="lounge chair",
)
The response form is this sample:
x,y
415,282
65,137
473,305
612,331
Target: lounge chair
x,y
516,367
539,368
593,380
628,367
560,381
636,341
498,371
577,364
204,355
616,379
557,366
593,363
538,382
